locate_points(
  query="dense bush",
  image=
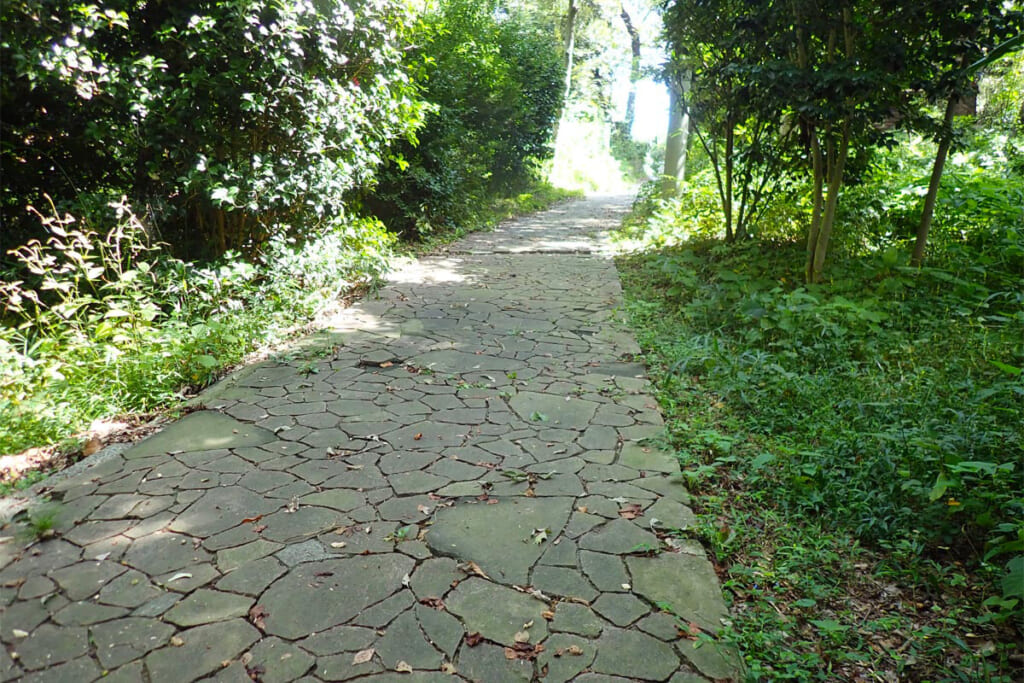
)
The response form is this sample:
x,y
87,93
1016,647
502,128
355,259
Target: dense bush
x,y
493,77
228,121
878,416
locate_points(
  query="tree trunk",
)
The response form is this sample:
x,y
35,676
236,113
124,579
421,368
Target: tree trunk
x,y
676,142
816,203
570,45
917,258
634,70
835,182
730,137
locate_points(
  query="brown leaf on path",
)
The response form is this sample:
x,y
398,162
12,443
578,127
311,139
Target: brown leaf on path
x,y
492,501
630,511
386,364
177,641
260,528
582,508
363,656
574,650
257,614
435,603
548,614
252,519
419,435
473,639
471,567
423,509
691,631
523,651
403,668
530,493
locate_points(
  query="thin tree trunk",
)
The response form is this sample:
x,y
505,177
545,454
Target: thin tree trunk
x,y
570,45
917,258
634,69
817,201
835,182
727,196
676,142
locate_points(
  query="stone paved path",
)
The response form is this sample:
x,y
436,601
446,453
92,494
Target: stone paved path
x,y
455,485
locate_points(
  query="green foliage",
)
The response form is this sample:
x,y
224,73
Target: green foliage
x,y
493,78
231,122
873,421
108,324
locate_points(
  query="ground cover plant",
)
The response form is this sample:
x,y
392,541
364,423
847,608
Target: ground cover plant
x,y
857,444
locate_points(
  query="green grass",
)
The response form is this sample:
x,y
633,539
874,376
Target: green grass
x,y
855,447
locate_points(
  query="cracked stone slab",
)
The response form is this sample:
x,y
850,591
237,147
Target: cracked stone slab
x,y
500,538
201,431
496,612
318,595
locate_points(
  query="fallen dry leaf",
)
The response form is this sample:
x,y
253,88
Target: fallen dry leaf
x,y
176,641
548,614
259,528
630,511
419,435
523,651
473,568
423,509
386,364
252,519
257,614
522,637
403,668
492,501
363,656
574,650
473,639
436,603
530,493
18,633
582,508
339,544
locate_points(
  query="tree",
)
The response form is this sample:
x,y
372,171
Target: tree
x,y
227,122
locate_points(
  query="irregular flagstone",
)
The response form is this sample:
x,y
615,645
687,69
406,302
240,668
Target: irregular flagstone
x,y
207,606
121,641
571,617
50,645
81,670
318,595
253,577
561,660
201,431
500,538
715,660
685,582
404,641
619,608
487,662
496,612
160,553
443,630
566,412
220,509
203,651
634,654
279,660
619,537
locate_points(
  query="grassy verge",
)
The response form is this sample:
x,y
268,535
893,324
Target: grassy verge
x,y
855,449
106,326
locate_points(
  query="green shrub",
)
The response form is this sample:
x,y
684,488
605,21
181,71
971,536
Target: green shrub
x,y
494,79
229,122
